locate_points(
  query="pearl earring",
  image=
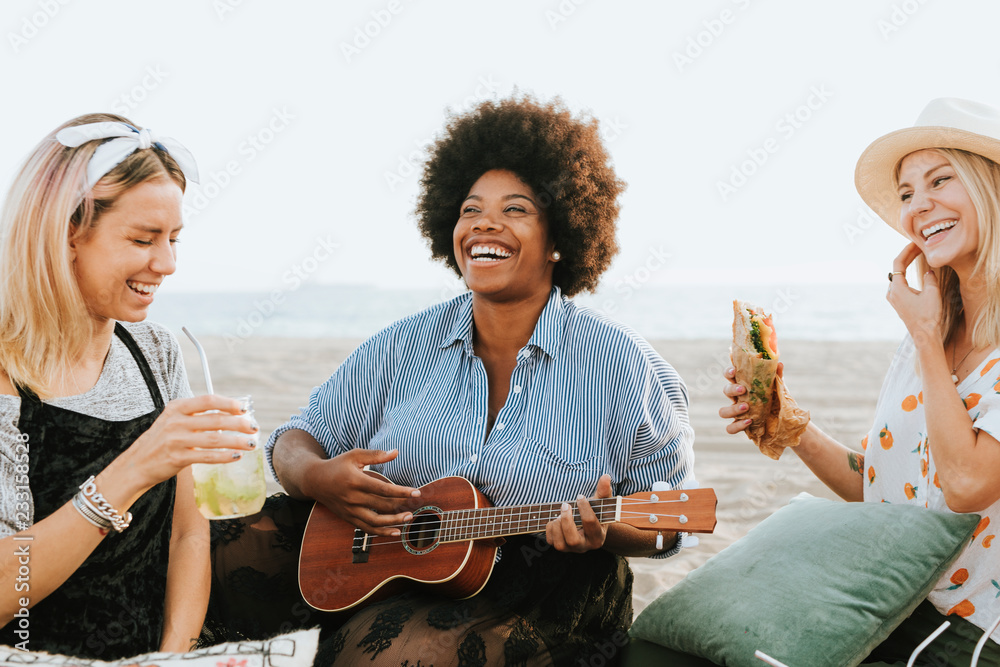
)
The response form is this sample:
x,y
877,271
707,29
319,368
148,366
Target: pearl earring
x,y
556,256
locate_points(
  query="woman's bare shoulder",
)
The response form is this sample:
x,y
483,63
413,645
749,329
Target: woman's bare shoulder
x,y
6,388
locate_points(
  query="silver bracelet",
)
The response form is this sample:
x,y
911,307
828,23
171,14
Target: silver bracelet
x,y
101,506
93,509
93,517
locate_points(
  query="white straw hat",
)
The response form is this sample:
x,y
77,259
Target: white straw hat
x,y
946,122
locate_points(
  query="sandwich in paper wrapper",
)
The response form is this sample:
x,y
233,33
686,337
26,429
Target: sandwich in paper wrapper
x,y
777,421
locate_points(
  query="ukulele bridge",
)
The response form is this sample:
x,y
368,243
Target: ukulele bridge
x,y
422,534
360,546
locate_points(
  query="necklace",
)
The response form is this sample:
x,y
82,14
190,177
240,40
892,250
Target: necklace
x,y
954,370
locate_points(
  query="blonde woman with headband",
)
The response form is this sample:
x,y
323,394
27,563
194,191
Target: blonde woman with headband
x,y
935,440
103,553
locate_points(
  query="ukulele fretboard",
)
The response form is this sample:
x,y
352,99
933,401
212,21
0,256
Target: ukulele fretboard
x,y
474,524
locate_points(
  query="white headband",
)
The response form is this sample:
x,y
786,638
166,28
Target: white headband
x,y
125,140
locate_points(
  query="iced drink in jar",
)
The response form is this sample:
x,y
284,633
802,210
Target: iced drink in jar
x,y
230,490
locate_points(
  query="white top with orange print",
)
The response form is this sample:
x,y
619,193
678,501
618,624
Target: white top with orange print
x,y
899,468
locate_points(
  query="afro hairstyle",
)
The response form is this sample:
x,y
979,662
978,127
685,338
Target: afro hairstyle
x,y
560,157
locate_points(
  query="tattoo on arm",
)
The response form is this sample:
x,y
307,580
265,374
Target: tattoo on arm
x,y
857,462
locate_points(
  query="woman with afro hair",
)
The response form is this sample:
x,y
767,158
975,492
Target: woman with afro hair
x,y
512,386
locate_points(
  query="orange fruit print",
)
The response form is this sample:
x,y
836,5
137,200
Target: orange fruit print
x,y
983,523
910,492
960,576
871,475
885,437
972,401
864,442
987,367
988,541
910,403
920,397
963,609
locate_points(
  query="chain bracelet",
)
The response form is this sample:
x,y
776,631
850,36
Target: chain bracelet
x,y
94,510
89,514
101,506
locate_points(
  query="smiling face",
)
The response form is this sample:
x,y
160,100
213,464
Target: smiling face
x,y
501,239
937,213
120,263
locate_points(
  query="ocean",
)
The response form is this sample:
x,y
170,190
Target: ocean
x,y
848,312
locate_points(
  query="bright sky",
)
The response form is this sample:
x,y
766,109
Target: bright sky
x,y
736,123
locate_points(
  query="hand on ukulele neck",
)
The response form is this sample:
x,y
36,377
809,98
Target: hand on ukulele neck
x,y
566,535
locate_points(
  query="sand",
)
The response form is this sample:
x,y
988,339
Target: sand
x,y
837,382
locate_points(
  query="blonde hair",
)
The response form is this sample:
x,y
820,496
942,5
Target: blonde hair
x,y
981,178
44,322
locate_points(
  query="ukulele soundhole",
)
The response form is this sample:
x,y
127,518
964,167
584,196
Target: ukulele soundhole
x,y
421,536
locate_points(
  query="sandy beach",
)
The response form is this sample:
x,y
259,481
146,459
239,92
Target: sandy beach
x,y
837,382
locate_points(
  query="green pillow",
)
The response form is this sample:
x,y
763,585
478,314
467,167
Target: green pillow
x,y
817,583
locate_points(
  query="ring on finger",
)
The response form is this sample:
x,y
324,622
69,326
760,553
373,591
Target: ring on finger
x,y
897,273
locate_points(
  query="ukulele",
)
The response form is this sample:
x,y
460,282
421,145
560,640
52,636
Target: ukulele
x,y
450,546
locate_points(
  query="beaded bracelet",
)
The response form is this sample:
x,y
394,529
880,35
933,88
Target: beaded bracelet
x,y
100,506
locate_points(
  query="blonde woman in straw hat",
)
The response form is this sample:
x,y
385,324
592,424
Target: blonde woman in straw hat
x,y
103,553
935,440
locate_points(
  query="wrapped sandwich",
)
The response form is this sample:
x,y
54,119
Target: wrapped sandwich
x,y
776,421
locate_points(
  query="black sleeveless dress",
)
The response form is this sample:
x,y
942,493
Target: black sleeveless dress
x,y
112,606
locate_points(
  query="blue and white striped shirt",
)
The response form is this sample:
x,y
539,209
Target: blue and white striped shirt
x,y
588,396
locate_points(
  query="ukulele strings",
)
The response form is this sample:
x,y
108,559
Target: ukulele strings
x,y
418,534
412,535
481,514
